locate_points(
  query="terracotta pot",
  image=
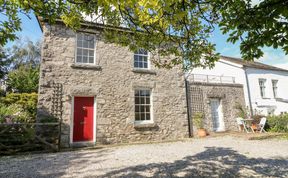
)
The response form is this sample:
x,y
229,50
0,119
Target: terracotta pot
x,y
254,126
202,132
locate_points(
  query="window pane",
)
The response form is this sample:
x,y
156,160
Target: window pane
x,y
85,52
79,59
137,100
85,44
79,43
147,116
136,64
136,59
91,59
142,100
142,116
147,100
91,53
147,109
142,109
137,108
79,52
144,92
145,65
85,59
91,44
137,116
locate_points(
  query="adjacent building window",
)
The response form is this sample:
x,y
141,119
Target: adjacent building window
x,y
85,52
274,86
143,105
141,59
262,87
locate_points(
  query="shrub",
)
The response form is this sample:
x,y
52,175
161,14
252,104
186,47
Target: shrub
x,y
15,112
242,111
27,101
277,123
257,118
198,120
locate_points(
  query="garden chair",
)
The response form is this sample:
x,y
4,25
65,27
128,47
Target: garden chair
x,y
241,124
261,125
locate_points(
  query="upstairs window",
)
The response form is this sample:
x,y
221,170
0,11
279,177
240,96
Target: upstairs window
x,y
141,59
262,87
142,105
85,52
274,87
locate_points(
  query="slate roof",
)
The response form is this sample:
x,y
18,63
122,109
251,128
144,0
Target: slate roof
x,y
252,64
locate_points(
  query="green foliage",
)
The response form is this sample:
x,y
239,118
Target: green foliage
x,y
178,28
278,123
243,112
27,101
15,112
25,79
263,24
2,92
198,119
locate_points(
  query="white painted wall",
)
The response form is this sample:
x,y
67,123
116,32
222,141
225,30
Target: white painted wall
x,y
226,68
263,104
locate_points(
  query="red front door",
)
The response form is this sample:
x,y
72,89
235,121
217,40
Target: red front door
x,y
83,119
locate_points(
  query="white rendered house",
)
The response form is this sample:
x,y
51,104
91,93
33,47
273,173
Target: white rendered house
x,y
265,86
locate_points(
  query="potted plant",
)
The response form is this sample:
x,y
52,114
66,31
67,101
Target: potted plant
x,y
198,120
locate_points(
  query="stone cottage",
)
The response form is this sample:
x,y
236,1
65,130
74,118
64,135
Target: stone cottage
x,y
106,93
109,93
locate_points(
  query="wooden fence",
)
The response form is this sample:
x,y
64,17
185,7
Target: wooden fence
x,y
19,137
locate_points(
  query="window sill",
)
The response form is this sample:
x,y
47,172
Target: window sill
x,y
144,124
265,98
86,66
144,71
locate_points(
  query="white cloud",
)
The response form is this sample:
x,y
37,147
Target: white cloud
x,y
273,56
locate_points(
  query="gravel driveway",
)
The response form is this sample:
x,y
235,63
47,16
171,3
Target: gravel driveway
x,y
210,157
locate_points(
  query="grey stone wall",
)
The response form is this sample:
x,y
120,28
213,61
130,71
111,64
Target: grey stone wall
x,y
112,81
229,94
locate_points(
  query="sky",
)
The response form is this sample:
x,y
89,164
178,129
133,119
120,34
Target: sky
x,y
275,57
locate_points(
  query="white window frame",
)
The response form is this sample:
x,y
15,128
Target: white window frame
x,y
262,87
151,107
148,60
275,92
76,47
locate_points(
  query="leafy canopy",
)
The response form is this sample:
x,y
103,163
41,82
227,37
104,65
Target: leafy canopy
x,y
180,28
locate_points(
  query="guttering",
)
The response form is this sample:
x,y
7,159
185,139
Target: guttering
x,y
188,105
248,90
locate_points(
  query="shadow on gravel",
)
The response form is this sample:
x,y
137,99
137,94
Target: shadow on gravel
x,y
213,162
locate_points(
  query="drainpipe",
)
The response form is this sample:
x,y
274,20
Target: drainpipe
x,y
188,105
248,90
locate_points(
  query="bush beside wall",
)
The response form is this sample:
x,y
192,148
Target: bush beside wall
x,y
278,123
25,102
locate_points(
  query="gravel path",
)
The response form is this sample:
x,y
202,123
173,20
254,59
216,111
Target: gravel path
x,y
210,157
